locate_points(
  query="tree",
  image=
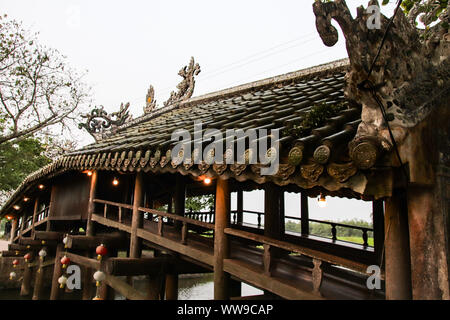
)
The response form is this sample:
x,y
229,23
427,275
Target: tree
x,y
37,88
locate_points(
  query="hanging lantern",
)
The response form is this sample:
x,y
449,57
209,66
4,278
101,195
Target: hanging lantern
x,y
27,257
43,241
15,263
42,254
322,201
101,251
62,281
12,275
17,252
65,261
65,241
99,276
97,298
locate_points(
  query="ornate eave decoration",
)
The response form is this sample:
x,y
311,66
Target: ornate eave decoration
x,y
186,86
99,124
150,102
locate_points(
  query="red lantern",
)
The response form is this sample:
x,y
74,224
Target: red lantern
x,y
27,257
101,251
65,261
15,263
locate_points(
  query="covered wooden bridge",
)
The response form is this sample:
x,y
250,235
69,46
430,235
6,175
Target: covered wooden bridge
x,y
115,190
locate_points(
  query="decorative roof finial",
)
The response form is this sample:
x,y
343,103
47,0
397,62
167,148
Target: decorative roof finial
x,y
99,124
150,102
185,87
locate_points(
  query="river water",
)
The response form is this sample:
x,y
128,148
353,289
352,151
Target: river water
x,y
192,287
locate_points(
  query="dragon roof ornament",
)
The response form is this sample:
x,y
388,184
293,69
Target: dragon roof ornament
x,y
186,86
99,124
150,102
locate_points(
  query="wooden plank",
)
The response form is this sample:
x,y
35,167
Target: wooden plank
x,y
15,253
138,266
116,204
33,242
258,278
124,288
84,261
178,218
196,254
114,240
357,266
111,223
48,235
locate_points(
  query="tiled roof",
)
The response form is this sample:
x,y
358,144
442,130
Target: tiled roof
x,y
314,157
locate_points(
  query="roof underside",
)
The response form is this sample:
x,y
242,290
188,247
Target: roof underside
x,y
277,103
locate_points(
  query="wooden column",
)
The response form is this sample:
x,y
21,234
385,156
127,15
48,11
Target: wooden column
x,y
22,224
39,280
25,288
221,243
378,228
304,214
35,211
91,205
272,223
397,264
428,243
136,220
87,280
240,206
171,286
13,229
57,272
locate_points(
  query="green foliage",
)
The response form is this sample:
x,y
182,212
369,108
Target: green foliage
x,y
200,203
17,160
316,117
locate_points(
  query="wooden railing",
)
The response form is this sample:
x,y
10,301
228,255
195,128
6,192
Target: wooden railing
x,y
43,214
205,216
121,208
185,222
290,247
334,225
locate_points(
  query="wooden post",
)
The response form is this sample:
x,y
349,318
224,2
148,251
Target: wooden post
x,y
22,224
13,229
397,264
39,281
87,281
136,220
171,286
240,206
25,288
221,245
428,242
91,205
35,211
304,214
273,227
57,272
378,228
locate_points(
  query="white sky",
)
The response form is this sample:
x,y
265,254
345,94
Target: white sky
x,y
128,45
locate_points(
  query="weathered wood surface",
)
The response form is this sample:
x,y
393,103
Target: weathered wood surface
x,y
357,266
33,242
258,278
84,261
124,288
57,272
116,240
111,223
137,218
48,235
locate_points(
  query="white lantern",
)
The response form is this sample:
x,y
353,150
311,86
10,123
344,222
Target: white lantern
x,y
12,275
65,240
99,276
42,254
62,281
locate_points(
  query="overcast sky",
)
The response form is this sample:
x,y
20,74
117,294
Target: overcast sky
x,y
128,45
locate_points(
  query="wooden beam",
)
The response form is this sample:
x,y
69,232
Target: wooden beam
x,y
378,229
137,219
91,205
175,246
114,240
15,253
13,229
111,223
256,277
48,235
124,288
221,243
25,288
84,261
171,287
39,280
33,242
